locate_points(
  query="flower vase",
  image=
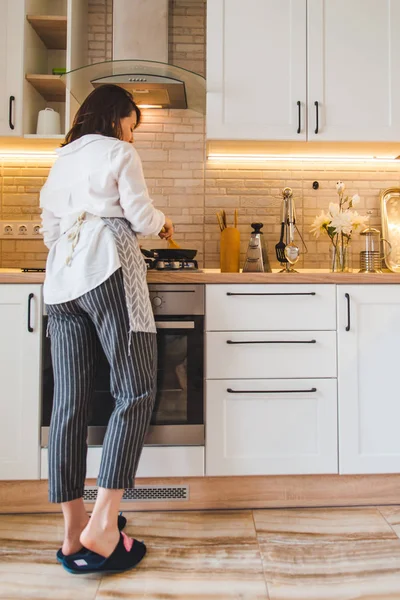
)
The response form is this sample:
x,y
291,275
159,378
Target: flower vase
x,y
340,257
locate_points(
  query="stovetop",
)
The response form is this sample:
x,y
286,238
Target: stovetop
x,y
157,265
172,265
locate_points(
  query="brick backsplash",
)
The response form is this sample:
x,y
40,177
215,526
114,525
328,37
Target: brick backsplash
x,y
187,187
187,31
257,194
191,195
100,30
20,183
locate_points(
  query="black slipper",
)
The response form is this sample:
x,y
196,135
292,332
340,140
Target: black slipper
x,y
126,555
60,554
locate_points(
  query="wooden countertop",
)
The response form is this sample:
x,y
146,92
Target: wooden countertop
x,y
215,276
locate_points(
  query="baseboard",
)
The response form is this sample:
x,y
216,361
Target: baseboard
x,y
213,493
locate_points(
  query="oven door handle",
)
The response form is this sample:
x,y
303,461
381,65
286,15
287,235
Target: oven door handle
x,y
175,324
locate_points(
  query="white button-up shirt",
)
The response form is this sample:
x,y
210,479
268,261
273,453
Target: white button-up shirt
x,y
102,177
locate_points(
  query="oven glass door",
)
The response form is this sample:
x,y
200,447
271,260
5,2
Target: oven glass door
x,y
178,415
179,405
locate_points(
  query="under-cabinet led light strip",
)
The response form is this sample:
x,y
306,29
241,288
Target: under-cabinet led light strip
x,y
34,156
279,158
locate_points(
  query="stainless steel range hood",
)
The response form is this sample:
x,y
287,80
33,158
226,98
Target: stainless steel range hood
x,y
140,50
150,91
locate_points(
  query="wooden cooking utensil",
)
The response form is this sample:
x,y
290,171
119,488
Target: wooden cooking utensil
x,y
172,244
220,223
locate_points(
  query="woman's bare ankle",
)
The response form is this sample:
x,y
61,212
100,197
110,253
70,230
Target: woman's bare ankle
x,y
101,534
100,538
71,542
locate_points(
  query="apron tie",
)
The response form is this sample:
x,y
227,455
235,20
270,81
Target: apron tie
x,y
74,237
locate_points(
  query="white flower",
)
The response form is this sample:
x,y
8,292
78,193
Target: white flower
x,y
343,222
319,223
340,220
340,187
334,209
358,220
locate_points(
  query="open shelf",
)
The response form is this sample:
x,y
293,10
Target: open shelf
x,y
51,87
52,30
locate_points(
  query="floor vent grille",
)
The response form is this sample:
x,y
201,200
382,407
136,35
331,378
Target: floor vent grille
x,y
156,493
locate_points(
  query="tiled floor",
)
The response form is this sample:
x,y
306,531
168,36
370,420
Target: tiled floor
x,y
293,554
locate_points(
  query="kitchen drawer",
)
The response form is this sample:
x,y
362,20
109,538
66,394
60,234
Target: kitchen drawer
x,y
264,355
271,427
285,307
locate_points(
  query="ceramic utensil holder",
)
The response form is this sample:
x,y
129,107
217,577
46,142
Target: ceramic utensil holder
x,y
230,250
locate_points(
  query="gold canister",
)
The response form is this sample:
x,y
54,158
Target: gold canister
x,y
230,250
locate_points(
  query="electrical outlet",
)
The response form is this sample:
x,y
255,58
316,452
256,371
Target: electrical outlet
x,y
20,230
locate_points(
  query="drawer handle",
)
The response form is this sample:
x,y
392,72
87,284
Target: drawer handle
x,y
273,342
271,294
312,390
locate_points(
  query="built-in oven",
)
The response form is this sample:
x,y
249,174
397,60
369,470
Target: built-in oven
x,y
178,415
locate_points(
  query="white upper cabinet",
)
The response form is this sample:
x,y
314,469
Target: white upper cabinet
x,y
368,378
37,37
20,360
354,70
340,59
11,66
256,69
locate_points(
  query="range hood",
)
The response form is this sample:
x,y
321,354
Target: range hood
x,y
140,65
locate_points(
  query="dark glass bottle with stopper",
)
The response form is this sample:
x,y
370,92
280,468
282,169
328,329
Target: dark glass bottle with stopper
x,y
257,253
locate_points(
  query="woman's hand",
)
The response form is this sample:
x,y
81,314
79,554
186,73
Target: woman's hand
x,y
168,230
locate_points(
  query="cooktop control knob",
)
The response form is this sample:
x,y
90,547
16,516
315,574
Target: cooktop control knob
x,y
157,301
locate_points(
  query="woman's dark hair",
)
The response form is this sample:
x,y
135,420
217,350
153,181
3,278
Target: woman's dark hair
x,y
101,113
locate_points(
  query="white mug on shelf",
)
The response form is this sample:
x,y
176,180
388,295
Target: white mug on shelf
x,y
48,122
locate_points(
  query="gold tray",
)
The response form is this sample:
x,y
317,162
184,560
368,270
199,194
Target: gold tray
x,y
390,215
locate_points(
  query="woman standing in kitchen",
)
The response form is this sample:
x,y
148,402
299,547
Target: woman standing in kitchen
x,y
94,203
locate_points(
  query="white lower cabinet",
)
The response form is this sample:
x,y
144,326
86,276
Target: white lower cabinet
x,y
271,427
271,387
20,353
368,378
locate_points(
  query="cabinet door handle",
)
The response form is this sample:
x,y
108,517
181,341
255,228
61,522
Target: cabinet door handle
x,y
347,296
312,390
30,297
299,116
271,294
316,104
10,112
273,342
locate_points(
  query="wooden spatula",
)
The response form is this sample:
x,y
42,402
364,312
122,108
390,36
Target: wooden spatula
x,y
173,245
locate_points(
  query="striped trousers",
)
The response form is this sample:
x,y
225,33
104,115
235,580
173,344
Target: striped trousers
x,y
75,330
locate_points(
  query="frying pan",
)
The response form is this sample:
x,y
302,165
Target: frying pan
x,y
168,254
